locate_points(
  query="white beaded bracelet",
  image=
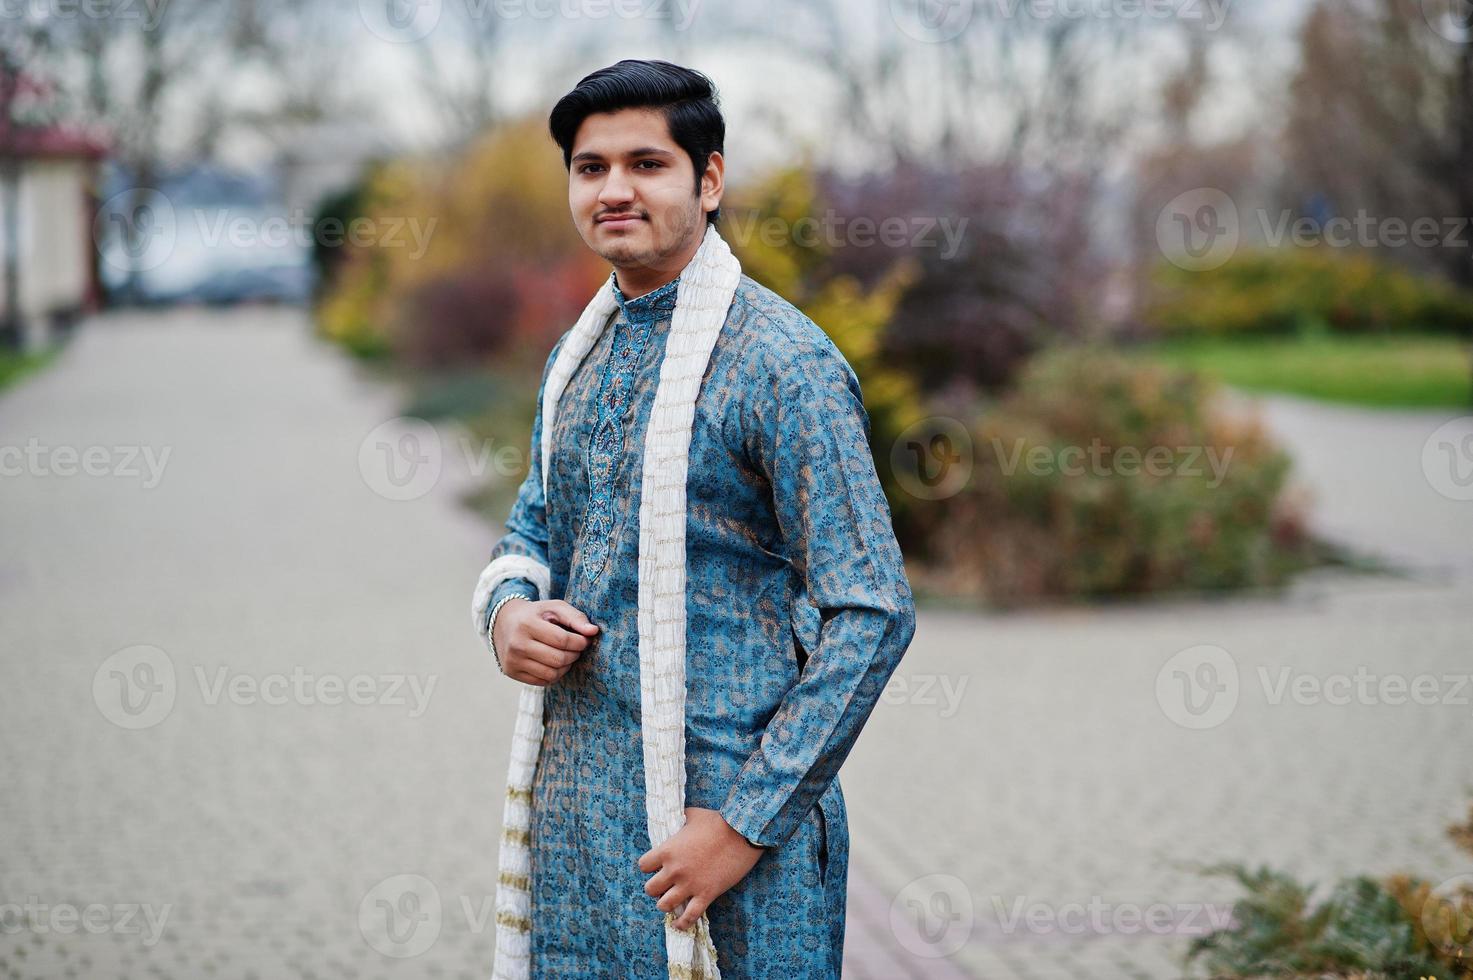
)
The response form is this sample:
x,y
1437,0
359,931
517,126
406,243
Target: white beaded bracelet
x,y
491,625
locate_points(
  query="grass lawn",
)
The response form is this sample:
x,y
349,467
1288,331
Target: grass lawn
x,y
1407,371
15,365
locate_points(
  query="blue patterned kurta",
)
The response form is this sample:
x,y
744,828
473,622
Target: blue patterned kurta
x,y
798,611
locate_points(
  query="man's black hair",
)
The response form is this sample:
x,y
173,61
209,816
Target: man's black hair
x,y
685,96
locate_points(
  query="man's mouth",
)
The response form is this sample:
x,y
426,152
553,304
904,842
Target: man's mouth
x,y
619,220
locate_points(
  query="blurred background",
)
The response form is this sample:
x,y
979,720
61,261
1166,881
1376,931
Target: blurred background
x,y
1163,313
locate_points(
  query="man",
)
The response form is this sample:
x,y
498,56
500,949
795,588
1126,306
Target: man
x,y
791,607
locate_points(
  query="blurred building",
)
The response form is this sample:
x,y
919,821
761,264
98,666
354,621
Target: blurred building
x,y
48,181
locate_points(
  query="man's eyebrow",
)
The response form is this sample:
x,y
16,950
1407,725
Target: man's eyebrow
x,y
643,151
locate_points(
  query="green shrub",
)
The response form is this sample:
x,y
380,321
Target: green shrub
x,y
1365,928
1304,290
1099,475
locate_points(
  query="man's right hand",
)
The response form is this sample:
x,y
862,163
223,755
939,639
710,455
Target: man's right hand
x,y
539,641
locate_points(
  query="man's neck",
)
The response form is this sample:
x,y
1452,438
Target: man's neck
x,y
633,286
635,281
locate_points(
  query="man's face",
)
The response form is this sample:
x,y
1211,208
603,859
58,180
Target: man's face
x,y
632,191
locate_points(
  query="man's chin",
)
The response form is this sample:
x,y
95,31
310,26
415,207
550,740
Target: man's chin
x,y
620,255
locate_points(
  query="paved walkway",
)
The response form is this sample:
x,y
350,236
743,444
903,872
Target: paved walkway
x,y
251,736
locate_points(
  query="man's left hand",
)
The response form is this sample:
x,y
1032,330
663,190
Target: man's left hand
x,y
697,864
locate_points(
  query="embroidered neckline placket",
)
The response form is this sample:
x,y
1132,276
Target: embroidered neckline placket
x,y
631,335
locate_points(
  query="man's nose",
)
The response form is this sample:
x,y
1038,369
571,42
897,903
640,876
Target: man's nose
x,y
616,190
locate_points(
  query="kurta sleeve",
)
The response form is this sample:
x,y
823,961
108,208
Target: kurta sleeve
x,y
526,525
810,436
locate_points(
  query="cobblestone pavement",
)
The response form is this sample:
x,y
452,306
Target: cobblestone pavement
x,y
250,735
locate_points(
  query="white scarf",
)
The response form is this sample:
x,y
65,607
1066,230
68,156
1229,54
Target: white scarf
x,y
703,295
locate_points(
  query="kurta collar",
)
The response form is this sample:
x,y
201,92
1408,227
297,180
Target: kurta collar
x,y
657,304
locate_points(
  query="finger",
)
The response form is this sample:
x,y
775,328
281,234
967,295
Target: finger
x,y
672,898
554,635
549,657
659,884
649,860
535,673
692,913
572,617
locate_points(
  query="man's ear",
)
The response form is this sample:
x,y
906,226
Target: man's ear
x,y
713,182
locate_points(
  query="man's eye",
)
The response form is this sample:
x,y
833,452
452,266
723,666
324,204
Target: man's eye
x,y
652,163
587,167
